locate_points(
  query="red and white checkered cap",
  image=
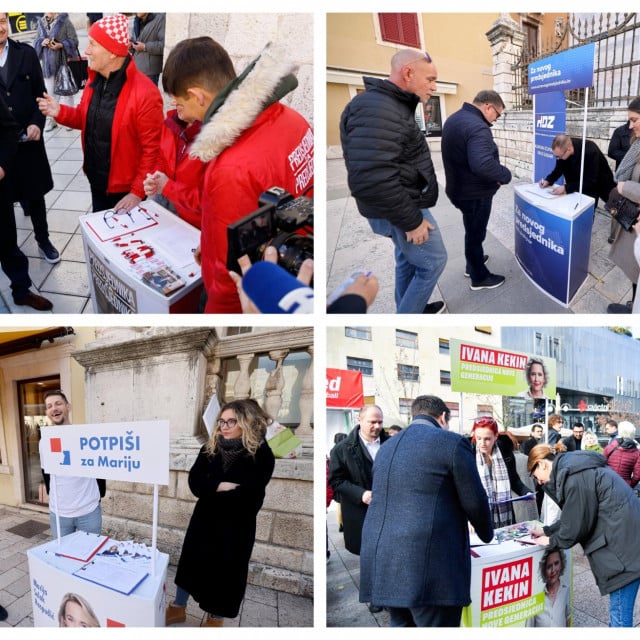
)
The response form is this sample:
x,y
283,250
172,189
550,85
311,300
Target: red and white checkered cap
x,y
112,32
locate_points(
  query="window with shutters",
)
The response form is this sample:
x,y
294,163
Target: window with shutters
x,y
400,28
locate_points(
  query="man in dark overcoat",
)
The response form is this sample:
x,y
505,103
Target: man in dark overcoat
x,y
350,472
14,263
21,82
415,556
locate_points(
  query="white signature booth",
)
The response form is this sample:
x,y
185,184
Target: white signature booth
x,y
120,587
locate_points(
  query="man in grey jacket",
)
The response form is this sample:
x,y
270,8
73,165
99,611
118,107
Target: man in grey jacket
x,y
147,43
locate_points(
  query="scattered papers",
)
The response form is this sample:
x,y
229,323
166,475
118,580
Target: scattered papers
x,y
80,545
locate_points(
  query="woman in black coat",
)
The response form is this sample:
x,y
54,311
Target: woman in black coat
x,y
497,469
229,479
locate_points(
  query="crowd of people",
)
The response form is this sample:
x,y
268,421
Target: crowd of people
x,y
227,140
392,178
411,528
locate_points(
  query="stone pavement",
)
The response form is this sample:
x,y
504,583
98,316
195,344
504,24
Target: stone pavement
x,y
66,283
343,581
351,246
261,607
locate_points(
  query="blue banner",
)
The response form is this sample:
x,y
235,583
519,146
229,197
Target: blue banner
x,y
549,121
571,69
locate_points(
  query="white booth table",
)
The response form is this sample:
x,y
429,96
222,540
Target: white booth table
x,y
553,239
506,586
141,261
51,577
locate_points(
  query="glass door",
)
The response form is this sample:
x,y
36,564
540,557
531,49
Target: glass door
x,y
32,418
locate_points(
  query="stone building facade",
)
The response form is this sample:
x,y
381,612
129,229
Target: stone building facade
x,y
171,372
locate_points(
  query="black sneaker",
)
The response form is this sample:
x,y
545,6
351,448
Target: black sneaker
x,y
619,308
484,261
435,307
492,281
49,252
373,608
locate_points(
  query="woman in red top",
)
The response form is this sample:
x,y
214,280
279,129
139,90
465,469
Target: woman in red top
x,y
177,183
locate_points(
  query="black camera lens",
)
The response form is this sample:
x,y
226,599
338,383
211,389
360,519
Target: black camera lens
x,y
293,249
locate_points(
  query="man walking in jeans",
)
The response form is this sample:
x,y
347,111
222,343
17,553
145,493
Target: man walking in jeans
x,y
473,173
391,175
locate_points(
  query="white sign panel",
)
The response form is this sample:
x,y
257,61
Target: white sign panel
x,y
128,451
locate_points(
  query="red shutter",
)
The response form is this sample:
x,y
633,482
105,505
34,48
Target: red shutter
x,y
400,28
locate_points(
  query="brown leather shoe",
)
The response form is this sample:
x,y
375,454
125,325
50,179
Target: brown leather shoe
x,y
35,301
213,622
175,614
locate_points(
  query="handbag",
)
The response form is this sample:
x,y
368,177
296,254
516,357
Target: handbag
x,y
64,84
623,210
80,69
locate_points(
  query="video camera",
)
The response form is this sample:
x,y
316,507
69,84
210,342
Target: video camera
x,y
281,221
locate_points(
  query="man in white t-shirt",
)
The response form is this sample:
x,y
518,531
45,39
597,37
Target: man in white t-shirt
x,y
75,500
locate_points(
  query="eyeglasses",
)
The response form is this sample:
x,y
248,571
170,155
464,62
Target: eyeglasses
x,y
231,422
498,113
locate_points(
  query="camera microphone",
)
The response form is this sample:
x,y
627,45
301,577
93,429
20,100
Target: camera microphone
x,y
273,290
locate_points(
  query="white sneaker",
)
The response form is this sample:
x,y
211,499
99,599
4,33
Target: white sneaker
x,y
51,124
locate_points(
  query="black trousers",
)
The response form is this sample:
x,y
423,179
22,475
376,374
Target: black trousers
x,y
36,209
13,262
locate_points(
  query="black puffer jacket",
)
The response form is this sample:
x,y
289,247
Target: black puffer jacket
x,y
389,166
600,512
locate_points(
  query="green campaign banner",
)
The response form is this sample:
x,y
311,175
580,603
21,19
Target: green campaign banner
x,y
477,368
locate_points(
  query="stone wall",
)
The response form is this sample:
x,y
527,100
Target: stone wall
x,y
138,373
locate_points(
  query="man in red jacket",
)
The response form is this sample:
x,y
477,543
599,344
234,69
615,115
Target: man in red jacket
x,y
120,115
250,141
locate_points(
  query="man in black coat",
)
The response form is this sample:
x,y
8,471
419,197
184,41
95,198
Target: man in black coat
x,y
536,438
391,175
21,82
597,179
474,174
574,442
350,474
14,263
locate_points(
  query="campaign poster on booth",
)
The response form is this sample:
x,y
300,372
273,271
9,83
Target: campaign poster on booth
x,y
477,368
509,587
127,451
55,593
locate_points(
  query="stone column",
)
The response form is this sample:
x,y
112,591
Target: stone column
x,y
275,384
242,387
507,41
304,430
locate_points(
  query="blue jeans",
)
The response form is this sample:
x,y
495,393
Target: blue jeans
x,y
425,616
418,267
475,217
621,604
90,522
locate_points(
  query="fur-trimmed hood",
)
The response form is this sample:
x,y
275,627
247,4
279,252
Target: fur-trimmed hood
x,y
266,80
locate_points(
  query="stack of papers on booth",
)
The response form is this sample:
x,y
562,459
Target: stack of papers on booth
x,y
120,576
80,545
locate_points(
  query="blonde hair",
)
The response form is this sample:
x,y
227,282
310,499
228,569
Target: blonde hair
x,y
543,452
253,421
82,603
